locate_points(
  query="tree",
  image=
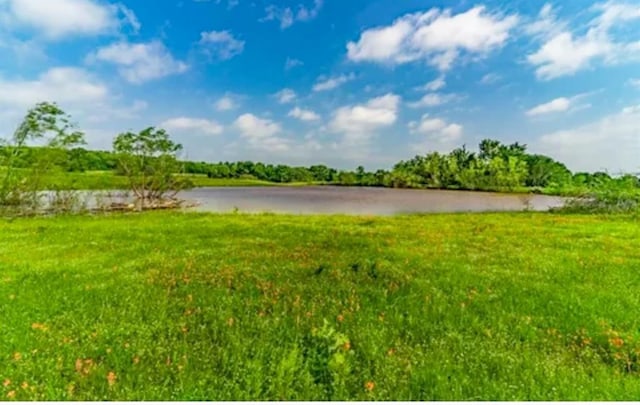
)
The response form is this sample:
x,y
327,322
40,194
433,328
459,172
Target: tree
x,y
45,124
149,160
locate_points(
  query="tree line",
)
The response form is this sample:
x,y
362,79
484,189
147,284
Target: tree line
x,y
150,161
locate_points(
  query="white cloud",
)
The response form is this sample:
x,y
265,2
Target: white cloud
x,y
557,105
251,126
220,45
439,37
434,100
65,85
434,85
634,83
331,83
292,63
57,19
611,143
358,122
225,103
631,109
490,78
563,52
285,96
141,62
288,16
436,129
560,104
199,126
261,133
304,115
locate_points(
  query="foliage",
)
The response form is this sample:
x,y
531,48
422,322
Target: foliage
x,y
45,124
149,161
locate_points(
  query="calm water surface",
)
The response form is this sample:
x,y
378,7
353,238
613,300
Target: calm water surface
x,y
360,200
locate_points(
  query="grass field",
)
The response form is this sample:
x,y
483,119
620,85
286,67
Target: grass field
x,y
202,306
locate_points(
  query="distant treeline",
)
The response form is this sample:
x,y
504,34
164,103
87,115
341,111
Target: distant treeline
x,y
495,166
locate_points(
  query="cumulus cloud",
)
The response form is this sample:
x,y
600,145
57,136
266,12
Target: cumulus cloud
x,y
436,129
564,52
438,37
225,103
560,104
288,16
194,125
141,62
58,19
65,85
434,85
304,115
434,100
359,122
260,133
220,45
285,96
610,143
324,84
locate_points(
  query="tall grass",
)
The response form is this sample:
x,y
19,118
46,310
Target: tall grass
x,y
449,307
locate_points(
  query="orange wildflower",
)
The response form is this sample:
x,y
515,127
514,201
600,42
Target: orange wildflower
x,y
616,342
369,386
6,383
340,318
346,346
17,356
24,385
11,394
111,378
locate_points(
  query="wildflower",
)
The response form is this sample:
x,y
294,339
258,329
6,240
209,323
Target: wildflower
x,y
369,386
111,378
17,356
38,326
391,352
347,346
11,394
6,383
24,385
340,318
230,321
616,342
136,360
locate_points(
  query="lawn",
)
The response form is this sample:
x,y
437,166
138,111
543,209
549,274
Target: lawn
x,y
168,306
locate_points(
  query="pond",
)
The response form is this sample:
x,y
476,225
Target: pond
x,y
360,200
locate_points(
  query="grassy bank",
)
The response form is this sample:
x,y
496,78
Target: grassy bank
x,y
190,306
107,180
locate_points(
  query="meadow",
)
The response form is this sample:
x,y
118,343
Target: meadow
x,y
186,306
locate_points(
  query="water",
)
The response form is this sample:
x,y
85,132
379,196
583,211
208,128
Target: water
x,y
360,200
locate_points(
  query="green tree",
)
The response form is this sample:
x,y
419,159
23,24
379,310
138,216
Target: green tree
x,y
47,125
149,160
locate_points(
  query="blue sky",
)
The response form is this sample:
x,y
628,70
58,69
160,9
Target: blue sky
x,y
337,82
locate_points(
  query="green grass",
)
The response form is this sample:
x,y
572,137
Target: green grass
x,y
201,306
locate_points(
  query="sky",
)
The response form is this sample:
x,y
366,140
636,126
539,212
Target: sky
x,y
336,82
